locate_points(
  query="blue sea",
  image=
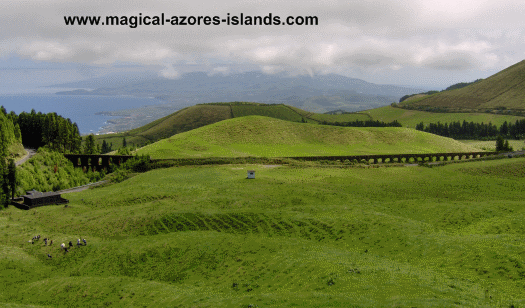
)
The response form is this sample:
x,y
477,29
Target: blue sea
x,y
79,108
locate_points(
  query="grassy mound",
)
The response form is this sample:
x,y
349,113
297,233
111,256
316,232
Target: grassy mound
x,y
267,137
180,121
293,237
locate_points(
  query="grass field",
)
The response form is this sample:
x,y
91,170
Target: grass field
x,y
410,118
294,237
517,145
268,137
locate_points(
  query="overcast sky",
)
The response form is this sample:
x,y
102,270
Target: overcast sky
x,y
426,43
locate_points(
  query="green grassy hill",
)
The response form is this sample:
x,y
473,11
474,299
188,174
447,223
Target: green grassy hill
x,y
198,116
294,237
505,89
201,115
410,118
269,137
181,121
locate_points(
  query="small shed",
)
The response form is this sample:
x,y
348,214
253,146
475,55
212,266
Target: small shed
x,y
35,198
251,174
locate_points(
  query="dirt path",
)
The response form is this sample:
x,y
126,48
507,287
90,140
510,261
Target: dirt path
x,y
30,153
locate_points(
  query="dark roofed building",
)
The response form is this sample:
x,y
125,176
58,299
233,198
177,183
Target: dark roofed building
x,y
36,198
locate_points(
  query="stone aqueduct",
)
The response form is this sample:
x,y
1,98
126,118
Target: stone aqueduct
x,y
100,162
401,158
97,162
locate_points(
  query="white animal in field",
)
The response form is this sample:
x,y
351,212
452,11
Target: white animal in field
x,y
63,246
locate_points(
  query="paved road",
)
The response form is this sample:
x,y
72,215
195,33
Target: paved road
x,y
30,153
80,188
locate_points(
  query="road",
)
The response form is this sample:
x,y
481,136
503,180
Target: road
x,y
80,188
30,153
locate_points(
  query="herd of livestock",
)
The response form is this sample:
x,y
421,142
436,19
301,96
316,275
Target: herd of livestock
x,y
63,246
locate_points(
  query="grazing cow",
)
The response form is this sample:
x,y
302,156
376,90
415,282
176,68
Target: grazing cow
x,y
49,256
78,242
50,242
84,240
66,249
70,244
63,246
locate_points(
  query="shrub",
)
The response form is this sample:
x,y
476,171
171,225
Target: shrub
x,y
141,163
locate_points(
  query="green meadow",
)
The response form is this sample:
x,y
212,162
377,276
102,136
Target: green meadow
x,y
410,118
269,137
449,236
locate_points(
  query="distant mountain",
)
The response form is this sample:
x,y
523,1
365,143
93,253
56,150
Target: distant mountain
x,y
502,91
319,93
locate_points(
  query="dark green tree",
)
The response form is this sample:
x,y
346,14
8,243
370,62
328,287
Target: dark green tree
x,y
507,147
11,177
106,148
89,146
124,143
500,143
4,194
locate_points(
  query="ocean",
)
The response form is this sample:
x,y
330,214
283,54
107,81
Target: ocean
x,y
79,108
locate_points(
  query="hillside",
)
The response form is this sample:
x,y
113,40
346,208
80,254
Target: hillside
x,y
198,116
204,114
181,121
503,90
294,237
269,137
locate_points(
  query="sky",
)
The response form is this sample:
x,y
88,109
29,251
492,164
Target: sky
x,y
423,43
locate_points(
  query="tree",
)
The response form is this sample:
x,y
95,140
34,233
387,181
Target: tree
x,y
124,143
4,193
89,146
499,144
18,133
11,177
106,148
507,147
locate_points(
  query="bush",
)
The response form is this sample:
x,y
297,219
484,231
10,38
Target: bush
x,y
120,175
141,163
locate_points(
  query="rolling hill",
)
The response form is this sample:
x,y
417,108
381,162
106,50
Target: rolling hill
x,y
503,90
204,114
201,115
270,137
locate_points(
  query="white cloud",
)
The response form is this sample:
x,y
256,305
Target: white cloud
x,y
365,36
169,72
